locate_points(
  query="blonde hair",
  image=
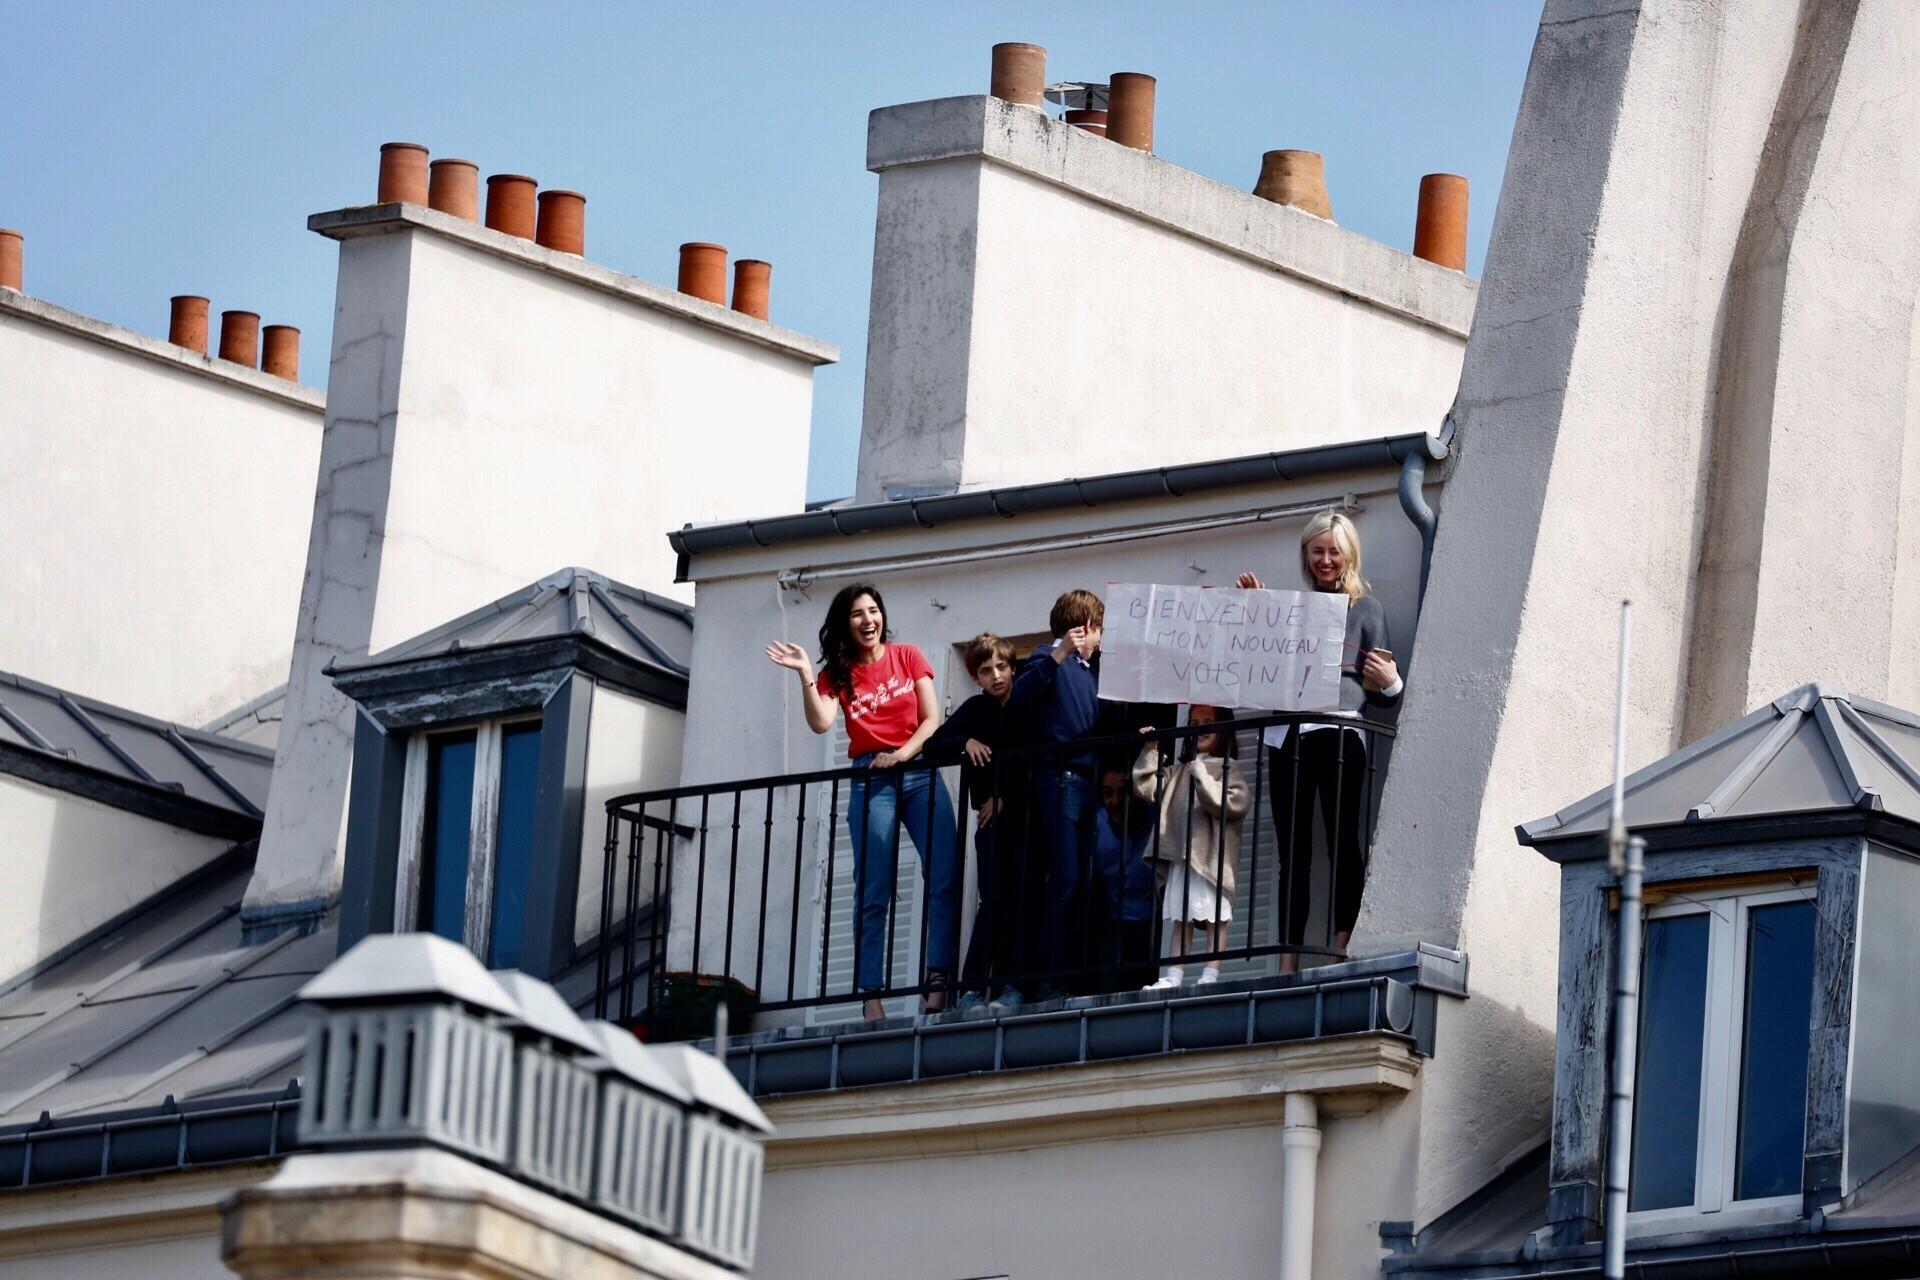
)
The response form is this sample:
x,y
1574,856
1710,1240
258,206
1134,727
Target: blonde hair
x,y
1347,538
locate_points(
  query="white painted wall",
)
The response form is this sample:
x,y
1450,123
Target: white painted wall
x,y
1048,303
74,864
153,511
632,745
498,411
1680,389
743,714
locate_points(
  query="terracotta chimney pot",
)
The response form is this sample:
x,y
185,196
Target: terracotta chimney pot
x,y
187,326
403,173
280,351
703,271
510,204
1094,122
453,187
12,272
563,221
751,278
240,338
1019,74
1130,109
1298,178
1440,228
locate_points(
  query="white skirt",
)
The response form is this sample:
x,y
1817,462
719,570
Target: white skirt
x,y
1202,898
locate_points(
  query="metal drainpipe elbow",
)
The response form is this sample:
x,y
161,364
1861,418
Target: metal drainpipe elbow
x,y
1413,501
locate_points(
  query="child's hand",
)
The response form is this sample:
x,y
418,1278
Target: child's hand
x,y
987,810
1069,644
978,752
1250,580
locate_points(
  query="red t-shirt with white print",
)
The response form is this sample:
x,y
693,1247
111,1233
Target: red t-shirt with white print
x,y
884,709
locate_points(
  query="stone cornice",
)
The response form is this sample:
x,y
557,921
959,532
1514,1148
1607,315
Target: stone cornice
x,y
1051,1106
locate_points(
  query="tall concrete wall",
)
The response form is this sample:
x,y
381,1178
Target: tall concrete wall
x,y
497,411
1049,303
1687,384
153,514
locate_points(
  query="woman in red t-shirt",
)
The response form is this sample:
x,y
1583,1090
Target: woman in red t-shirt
x,y
887,693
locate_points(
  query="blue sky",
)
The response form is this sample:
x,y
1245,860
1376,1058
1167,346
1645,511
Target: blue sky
x,y
156,149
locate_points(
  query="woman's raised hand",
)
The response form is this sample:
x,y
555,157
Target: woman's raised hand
x,y
784,653
1249,579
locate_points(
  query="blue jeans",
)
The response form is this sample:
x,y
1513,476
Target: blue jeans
x,y
877,804
1065,805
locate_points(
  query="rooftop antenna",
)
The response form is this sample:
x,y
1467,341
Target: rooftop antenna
x,y
1624,860
1077,95
720,1032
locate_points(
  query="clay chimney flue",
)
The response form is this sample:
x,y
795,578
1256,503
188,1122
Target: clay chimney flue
x,y
751,281
510,202
1298,178
1130,109
240,337
703,271
1440,227
1094,122
12,262
453,187
1019,73
280,351
187,326
403,173
563,221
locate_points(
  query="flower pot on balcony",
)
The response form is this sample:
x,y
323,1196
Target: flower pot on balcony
x,y
684,1005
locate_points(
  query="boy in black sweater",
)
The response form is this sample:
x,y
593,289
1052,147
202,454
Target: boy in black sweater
x,y
979,727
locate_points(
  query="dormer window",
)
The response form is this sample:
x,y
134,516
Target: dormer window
x,y
482,747
1720,1105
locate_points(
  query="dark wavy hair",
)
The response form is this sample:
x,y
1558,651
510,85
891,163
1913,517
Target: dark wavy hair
x,y
837,645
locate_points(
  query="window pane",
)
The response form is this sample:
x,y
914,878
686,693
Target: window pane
x,y
1673,1020
513,849
448,837
1773,1050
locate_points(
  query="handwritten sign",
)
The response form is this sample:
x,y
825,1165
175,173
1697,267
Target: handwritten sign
x,y
1265,650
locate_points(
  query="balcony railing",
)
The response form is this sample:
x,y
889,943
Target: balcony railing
x,y
760,882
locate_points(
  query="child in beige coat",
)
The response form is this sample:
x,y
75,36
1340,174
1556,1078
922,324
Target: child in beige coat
x,y
1198,843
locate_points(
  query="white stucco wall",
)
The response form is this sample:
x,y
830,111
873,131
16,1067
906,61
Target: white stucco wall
x,y
498,411
163,1227
1049,303
153,509
743,713
632,745
1678,390
74,864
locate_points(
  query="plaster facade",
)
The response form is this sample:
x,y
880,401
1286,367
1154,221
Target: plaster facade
x,y
1698,172
1046,303
144,489
74,864
632,745
498,410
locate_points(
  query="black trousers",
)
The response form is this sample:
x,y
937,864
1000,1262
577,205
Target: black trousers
x,y
1326,768
1009,910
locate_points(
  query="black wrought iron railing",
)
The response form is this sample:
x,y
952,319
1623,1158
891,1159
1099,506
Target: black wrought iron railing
x,y
1047,871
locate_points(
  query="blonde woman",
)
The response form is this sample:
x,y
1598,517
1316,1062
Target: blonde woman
x,y
1326,764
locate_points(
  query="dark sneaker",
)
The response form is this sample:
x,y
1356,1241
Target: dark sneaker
x,y
1009,998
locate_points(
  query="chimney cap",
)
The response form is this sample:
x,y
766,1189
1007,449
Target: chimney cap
x,y
559,191
703,244
240,312
402,146
510,177
456,160
188,297
13,231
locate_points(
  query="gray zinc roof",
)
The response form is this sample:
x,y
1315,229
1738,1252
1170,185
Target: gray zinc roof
x,y
1815,750
167,1002
642,627
1053,495
195,779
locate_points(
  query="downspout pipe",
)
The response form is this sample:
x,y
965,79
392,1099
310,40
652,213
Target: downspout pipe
x,y
1299,1171
1413,501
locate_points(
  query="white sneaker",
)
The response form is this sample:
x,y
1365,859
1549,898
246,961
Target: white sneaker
x,y
1208,976
1169,979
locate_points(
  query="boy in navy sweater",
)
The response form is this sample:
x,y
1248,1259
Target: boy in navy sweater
x,y
1056,698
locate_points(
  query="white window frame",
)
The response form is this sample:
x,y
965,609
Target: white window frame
x,y
1716,1144
484,828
